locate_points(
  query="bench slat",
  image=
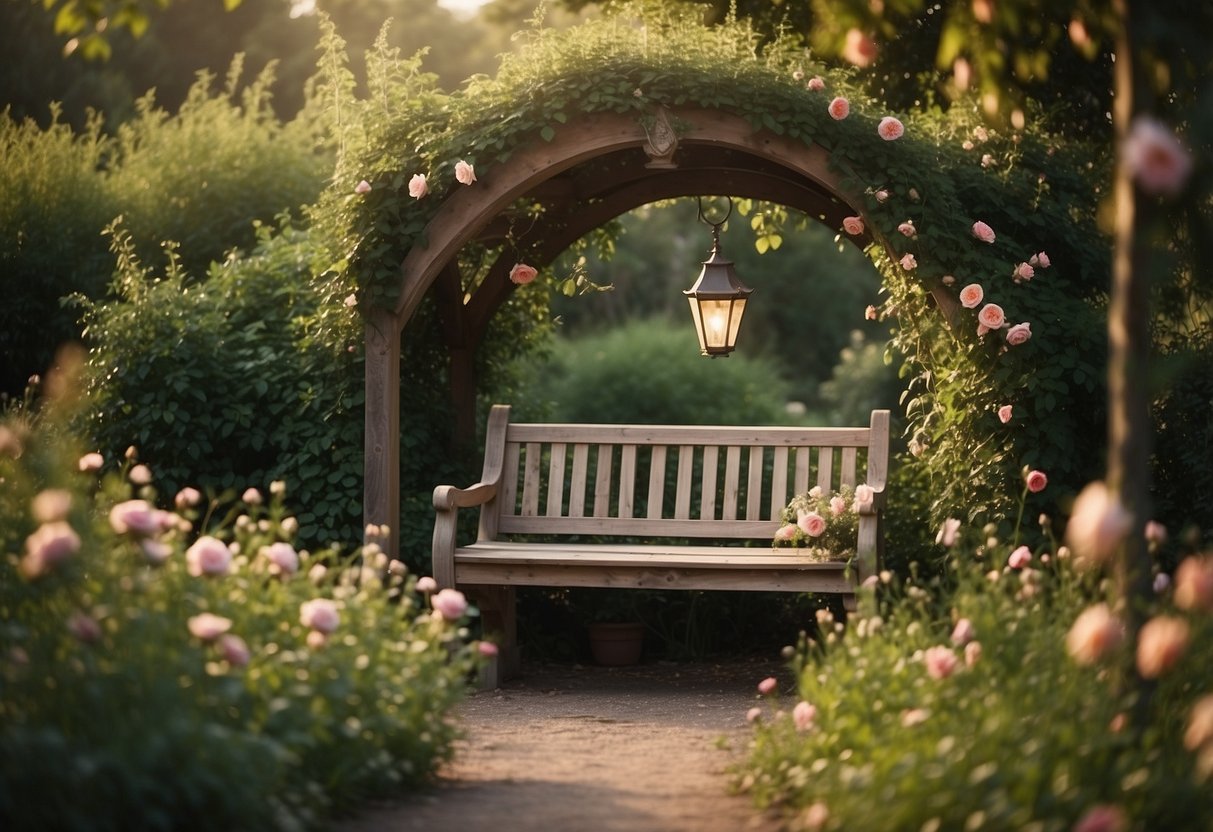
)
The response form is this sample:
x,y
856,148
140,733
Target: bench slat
x,y
762,530
656,482
732,465
627,481
602,481
802,471
530,481
848,467
687,434
753,502
509,476
779,483
707,499
682,497
825,469
556,480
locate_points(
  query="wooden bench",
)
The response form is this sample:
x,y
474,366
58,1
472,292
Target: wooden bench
x,y
557,501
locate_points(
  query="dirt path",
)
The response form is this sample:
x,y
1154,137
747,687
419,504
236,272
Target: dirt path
x,y
595,750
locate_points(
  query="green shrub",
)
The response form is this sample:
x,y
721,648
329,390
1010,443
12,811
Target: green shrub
x,y
120,711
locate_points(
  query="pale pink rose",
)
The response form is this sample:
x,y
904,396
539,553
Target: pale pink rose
x,y
1160,644
465,174
319,614
1097,524
487,649
316,639
858,48
523,274
1094,634
837,505
1155,157
948,532
1005,413
1162,582
427,584
864,494
1102,818
91,462
768,685
251,496
1194,584
803,715
963,632
363,187
187,497
941,662
84,627
980,133
890,129
983,232
811,523
234,650
135,517
907,229
786,532
51,505
156,551
852,225
966,145
882,195
450,604
1022,272
982,329
1039,260
1156,532
972,653
987,161
1020,558
983,12
207,626
971,295
753,714
908,262
1200,724
870,313
208,556
283,558
351,300
914,716
1036,481
1019,334
839,108
798,75
418,187
991,316
140,475
816,83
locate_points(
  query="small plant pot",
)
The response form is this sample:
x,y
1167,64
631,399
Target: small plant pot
x,y
616,644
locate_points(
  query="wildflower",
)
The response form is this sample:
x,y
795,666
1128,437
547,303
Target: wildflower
x,y
963,632
908,262
427,584
1162,582
786,532
187,498
1194,584
234,650
1095,633
987,161
852,225
1036,481
523,274
948,532
1004,413
815,817
941,662
207,626
418,186
1019,334
48,546
135,517
798,75
972,653
839,108
251,496
881,195
1097,525
283,558
1102,818
363,187
907,229
156,551
858,48
870,313
486,649
450,604
84,627
753,714
320,615
1200,724
1160,644
316,639
465,174
816,83
1020,558
803,715
991,316
1156,532
140,475
890,129
983,232
91,462
208,556
767,685
1156,158
914,716
971,295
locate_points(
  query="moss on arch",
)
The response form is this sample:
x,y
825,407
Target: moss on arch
x,y
944,174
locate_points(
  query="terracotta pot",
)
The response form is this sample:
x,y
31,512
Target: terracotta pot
x,y
616,644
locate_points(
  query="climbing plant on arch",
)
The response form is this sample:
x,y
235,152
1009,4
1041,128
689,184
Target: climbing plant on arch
x,y
557,138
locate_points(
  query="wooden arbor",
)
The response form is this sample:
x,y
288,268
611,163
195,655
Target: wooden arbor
x,y
595,168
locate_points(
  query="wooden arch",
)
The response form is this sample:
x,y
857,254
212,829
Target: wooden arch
x,y
595,168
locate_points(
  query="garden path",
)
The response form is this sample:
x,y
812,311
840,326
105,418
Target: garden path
x,y
595,749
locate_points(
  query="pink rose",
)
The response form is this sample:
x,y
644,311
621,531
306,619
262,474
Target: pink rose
x,y
963,632
966,145
890,129
1102,818
51,505
283,558
864,494
319,614
991,316
234,650
464,173
816,83
84,627
811,523
316,639
786,532
487,649
427,584
1039,260
1004,413
1194,584
450,604
870,313
91,462
363,187
208,627
803,715
1019,334
767,685
907,229
1097,524
941,662
186,498
946,536
858,48
251,496
983,232
753,714
882,195
971,295
208,556
839,108
1162,582
523,274
135,517
1160,644
852,225
1022,272
1156,158
1095,633
972,653
1020,558
987,161
1200,724
1036,481
418,186
156,552
351,300
908,262
1156,532
837,505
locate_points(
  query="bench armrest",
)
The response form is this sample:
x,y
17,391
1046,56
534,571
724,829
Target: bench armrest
x,y
448,497
447,501
877,504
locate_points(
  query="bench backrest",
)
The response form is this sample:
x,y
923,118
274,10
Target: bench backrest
x,y
667,480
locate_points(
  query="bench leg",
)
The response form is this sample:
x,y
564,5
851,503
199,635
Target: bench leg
x,y
497,613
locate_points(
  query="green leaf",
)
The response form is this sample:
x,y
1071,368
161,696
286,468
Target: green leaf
x,y
548,133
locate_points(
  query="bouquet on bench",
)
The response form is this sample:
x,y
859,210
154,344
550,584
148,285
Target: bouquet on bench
x,y
825,523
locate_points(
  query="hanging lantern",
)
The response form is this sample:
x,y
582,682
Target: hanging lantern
x,y
718,297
